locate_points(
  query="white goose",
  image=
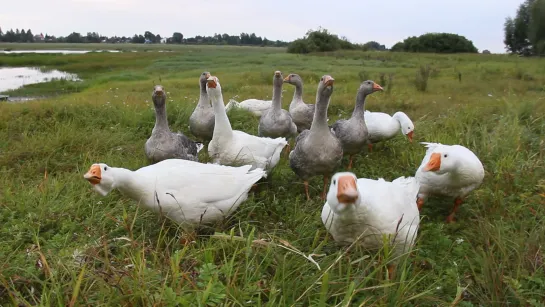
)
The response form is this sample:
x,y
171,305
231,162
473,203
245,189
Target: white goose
x,y
233,147
367,209
448,170
382,126
187,192
257,107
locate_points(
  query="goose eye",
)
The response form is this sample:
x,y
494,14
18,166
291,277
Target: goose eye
x,y
334,181
105,168
445,155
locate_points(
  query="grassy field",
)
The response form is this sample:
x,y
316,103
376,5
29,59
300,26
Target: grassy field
x,y
63,244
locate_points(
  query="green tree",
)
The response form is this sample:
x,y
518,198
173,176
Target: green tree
x,y
74,37
177,38
525,33
436,43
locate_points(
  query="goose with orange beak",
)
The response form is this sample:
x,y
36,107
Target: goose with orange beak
x,y
352,132
364,210
382,126
301,112
448,170
187,192
234,147
201,121
164,144
317,151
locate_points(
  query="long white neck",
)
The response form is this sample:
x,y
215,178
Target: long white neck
x,y
126,181
400,118
222,126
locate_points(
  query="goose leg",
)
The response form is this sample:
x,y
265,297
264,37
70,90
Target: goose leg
x,y
370,147
350,162
288,149
457,202
306,190
391,271
419,203
326,182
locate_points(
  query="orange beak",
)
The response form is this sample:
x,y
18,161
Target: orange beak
x,y
410,136
347,191
377,87
212,83
287,78
435,162
94,174
207,76
328,80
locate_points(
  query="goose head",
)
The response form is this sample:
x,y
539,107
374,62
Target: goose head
x,y
203,79
213,87
101,176
293,79
278,81
343,192
325,86
407,126
159,96
442,160
369,87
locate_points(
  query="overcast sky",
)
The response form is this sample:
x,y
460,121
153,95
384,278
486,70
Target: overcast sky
x,y
384,21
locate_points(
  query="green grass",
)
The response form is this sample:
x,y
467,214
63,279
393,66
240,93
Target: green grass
x,y
63,244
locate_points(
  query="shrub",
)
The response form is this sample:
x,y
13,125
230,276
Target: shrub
x,y
436,43
422,77
320,41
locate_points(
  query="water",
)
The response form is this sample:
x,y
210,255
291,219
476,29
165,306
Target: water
x,y
12,78
63,51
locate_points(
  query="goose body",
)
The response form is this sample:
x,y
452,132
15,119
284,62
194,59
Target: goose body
x,y
277,122
255,106
201,121
301,112
317,151
187,192
233,147
368,209
352,132
382,126
164,144
448,170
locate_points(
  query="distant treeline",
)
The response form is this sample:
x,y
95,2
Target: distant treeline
x,y
22,36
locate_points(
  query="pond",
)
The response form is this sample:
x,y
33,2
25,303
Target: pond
x,y
12,78
63,51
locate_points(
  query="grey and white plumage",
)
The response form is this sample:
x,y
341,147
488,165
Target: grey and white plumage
x,y
301,112
352,132
164,144
317,151
277,122
201,121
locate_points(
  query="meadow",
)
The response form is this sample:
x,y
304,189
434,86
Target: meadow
x,y
63,244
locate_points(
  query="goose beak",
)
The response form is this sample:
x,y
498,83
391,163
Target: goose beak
x,y
287,79
94,174
211,82
377,87
410,136
328,81
207,76
159,91
347,191
435,162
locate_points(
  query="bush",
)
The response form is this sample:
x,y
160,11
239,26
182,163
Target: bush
x,y
422,77
436,43
320,41
486,51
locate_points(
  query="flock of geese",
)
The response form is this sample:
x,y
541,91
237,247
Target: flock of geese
x,y
191,193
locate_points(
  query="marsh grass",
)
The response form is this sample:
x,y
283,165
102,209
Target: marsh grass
x,y
63,244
